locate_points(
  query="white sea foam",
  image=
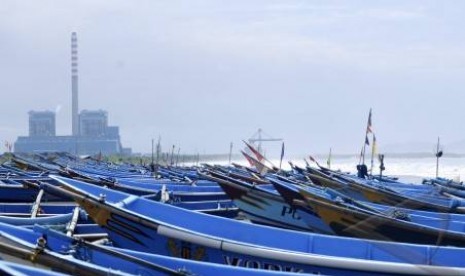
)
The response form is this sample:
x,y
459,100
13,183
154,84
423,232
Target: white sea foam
x,y
413,169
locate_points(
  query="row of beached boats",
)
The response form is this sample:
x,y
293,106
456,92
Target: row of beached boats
x,y
76,216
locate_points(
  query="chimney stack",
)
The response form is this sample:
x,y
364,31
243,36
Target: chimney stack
x,y
74,84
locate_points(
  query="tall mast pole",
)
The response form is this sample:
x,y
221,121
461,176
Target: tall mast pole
x,y
177,156
438,155
373,152
152,151
158,149
368,129
230,152
172,155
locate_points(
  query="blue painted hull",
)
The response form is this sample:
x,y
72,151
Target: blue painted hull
x,y
133,224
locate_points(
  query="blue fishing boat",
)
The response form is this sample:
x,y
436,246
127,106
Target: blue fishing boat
x,y
350,218
45,208
14,269
262,204
116,259
428,194
20,193
444,182
357,189
17,245
132,223
176,192
44,220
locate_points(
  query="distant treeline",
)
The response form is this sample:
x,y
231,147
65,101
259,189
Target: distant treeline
x,y
169,159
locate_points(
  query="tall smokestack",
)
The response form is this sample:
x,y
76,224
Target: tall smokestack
x,y
74,83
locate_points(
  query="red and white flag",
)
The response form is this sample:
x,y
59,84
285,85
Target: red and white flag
x,y
259,156
261,168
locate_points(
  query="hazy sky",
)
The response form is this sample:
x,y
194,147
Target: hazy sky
x,y
204,73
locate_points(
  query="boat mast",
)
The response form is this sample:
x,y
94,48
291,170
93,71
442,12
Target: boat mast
x,y
259,138
438,155
158,149
365,141
177,156
230,152
282,156
172,155
152,163
328,162
373,152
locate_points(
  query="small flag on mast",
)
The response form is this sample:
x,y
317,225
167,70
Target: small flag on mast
x,y
369,127
367,142
282,155
261,168
248,158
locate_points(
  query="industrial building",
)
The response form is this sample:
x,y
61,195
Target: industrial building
x,y
91,133
42,123
93,123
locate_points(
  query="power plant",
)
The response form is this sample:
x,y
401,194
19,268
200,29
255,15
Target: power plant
x,y
90,132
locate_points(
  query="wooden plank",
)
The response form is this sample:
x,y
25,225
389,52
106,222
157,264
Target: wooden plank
x,y
36,207
72,224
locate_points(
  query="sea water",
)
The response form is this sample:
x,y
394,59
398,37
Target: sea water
x,y
406,168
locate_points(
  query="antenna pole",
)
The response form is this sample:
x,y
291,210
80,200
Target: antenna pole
x,y
437,159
